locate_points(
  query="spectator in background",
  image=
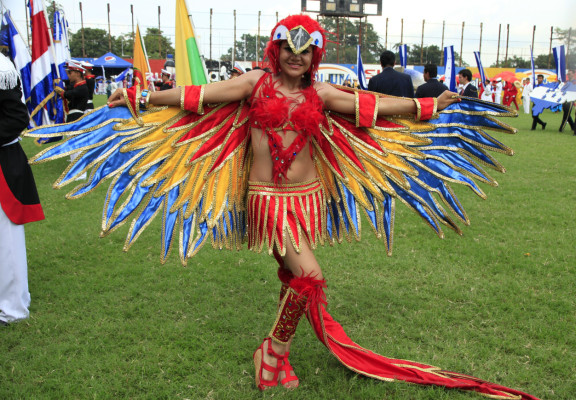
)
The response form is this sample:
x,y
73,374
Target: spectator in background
x,y
487,91
567,108
237,70
170,65
510,92
468,89
432,87
536,118
498,91
166,82
526,95
76,93
90,82
389,81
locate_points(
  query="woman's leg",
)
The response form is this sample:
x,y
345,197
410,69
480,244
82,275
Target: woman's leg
x,y
299,264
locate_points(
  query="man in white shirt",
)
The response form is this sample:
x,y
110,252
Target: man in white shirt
x,y
526,95
498,91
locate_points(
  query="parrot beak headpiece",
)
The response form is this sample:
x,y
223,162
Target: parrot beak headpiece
x,y
298,38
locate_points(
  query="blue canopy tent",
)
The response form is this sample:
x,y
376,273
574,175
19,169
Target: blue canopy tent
x,y
111,63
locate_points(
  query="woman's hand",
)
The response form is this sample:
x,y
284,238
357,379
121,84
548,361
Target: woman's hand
x,y
117,99
447,98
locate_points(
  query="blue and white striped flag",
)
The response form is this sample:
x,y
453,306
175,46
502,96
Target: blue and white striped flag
x,y
403,49
450,68
532,66
560,61
360,71
480,68
19,54
61,45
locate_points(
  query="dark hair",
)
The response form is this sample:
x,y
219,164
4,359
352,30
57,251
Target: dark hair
x,y
387,59
540,76
432,70
466,73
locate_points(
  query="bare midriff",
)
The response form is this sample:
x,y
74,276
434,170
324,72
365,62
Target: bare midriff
x,y
302,168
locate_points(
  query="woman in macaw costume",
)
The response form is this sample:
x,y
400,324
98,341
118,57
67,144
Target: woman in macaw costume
x,y
285,163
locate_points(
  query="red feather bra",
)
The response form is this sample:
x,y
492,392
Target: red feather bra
x,y
274,113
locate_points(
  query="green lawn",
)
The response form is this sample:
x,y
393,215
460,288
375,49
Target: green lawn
x,y
497,303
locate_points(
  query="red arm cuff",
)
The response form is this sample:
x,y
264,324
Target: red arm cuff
x,y
366,109
193,99
426,108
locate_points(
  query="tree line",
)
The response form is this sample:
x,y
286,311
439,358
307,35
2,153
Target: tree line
x,y
345,32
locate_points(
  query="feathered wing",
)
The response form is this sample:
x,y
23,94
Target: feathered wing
x,y
414,162
192,168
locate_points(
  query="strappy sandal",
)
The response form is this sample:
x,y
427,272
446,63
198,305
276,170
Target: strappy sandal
x,y
259,364
290,376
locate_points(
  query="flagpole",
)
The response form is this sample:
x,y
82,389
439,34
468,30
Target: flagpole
x,y
481,28
159,35
82,24
550,51
109,34
422,42
211,12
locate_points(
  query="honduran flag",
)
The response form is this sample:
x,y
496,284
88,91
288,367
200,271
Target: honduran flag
x,y
403,49
360,71
450,68
480,67
42,95
560,61
61,43
19,54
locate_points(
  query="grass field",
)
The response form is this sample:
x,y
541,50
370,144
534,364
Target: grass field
x,y
497,303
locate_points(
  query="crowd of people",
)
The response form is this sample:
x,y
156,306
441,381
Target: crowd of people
x,y
507,92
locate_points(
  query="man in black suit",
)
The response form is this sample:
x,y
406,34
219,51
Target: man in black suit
x,y
432,87
468,89
390,81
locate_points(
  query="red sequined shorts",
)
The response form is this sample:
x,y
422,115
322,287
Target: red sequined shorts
x,y
290,211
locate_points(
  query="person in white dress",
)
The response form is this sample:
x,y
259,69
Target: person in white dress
x,y
498,91
526,95
487,93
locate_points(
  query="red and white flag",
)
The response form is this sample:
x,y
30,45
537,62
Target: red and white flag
x,y
43,69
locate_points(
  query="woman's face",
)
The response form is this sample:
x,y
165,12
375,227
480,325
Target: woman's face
x,y
294,65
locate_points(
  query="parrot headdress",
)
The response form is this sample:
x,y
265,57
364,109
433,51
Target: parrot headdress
x,y
300,31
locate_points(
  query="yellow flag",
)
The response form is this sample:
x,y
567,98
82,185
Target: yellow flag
x,y
140,61
189,64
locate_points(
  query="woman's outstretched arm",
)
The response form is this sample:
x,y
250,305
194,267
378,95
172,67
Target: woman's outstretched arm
x,y
218,92
344,102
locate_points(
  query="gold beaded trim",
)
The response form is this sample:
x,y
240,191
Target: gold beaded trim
x,y
376,107
357,108
200,110
182,91
419,109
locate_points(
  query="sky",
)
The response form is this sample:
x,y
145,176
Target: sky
x,y
521,17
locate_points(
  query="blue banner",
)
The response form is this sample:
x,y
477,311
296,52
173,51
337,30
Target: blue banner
x,y
360,71
450,69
